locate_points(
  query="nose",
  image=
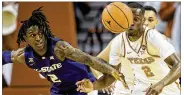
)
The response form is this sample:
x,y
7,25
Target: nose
x,y
146,23
132,25
38,37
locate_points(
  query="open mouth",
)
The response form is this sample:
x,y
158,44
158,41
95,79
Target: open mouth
x,y
131,28
39,45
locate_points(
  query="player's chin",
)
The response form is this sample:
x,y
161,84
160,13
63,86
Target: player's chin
x,y
39,48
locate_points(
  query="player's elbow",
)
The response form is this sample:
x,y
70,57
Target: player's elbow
x,y
6,56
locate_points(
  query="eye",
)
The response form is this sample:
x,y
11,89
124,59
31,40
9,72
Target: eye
x,y
150,20
136,19
32,35
40,33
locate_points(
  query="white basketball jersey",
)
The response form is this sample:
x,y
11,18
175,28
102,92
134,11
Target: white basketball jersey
x,y
146,61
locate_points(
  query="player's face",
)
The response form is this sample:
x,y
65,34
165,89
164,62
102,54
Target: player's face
x,y
35,38
138,19
150,19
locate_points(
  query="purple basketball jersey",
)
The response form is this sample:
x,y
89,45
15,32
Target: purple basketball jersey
x,y
62,74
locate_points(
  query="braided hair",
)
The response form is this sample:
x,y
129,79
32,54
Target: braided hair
x,y
38,19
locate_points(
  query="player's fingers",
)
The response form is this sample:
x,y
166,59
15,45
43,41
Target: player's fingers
x,y
82,89
149,92
111,89
122,79
146,90
103,90
78,88
107,91
113,86
124,84
78,83
120,74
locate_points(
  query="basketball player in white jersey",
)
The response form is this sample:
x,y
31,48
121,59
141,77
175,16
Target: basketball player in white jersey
x,y
150,16
150,21
153,60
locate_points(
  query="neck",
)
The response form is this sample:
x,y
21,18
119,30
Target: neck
x,y
134,35
42,52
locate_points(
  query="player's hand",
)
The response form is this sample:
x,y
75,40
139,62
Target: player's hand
x,y
108,89
155,89
84,85
119,76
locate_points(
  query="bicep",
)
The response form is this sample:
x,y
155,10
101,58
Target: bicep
x,y
172,60
65,50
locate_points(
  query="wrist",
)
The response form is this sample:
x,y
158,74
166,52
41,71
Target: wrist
x,y
94,86
163,84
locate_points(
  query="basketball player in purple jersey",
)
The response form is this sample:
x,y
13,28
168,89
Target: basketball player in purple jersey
x,y
54,58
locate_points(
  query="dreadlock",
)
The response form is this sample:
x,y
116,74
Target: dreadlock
x,y
38,19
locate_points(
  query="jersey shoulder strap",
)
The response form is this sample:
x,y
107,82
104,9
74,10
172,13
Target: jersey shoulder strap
x,y
151,49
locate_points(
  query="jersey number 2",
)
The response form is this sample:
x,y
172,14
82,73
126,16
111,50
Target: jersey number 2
x,y
147,71
54,78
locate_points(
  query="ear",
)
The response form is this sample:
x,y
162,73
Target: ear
x,y
156,22
25,38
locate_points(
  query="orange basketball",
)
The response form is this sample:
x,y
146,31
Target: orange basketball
x,y
117,17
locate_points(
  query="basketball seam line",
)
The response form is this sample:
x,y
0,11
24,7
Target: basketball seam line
x,y
115,20
123,13
108,27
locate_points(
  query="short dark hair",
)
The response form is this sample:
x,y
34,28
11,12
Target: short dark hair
x,y
136,5
150,8
38,19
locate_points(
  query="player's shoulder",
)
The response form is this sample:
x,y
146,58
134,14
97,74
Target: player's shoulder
x,y
118,38
152,33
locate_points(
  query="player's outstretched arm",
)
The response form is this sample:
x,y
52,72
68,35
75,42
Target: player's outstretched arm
x,y
175,65
104,54
63,49
16,56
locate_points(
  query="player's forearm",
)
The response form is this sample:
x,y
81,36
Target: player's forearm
x,y
63,50
94,62
174,63
103,82
173,75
